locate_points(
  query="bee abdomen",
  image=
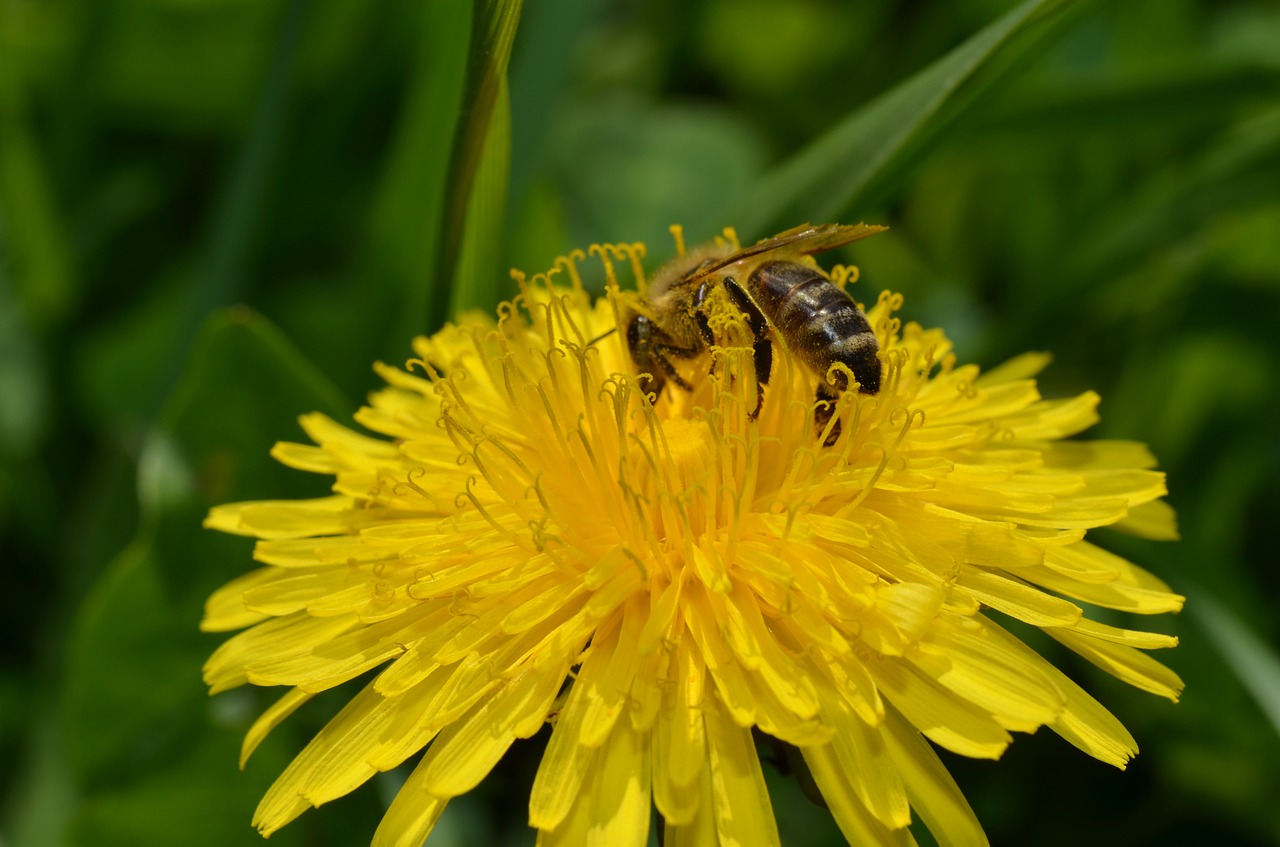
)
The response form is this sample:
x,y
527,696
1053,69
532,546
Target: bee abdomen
x,y
819,321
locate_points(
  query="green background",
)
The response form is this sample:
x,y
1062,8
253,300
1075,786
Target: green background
x,y
215,214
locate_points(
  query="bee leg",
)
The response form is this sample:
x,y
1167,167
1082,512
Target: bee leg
x,y
663,355
762,348
824,408
643,339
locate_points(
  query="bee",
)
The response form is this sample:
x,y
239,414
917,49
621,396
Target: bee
x,y
777,294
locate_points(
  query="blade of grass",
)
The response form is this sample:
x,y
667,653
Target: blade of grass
x,y
492,35
478,278
1243,170
834,172
1156,103
405,235
1253,660
540,73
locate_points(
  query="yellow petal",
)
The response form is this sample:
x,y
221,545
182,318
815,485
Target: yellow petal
x,y
619,793
867,768
969,658
309,552
464,753
269,720
324,431
1023,366
744,816
1155,520
305,457
682,744
725,670
412,815
1086,724
284,518
1054,418
1123,662
226,610
606,677
701,830
758,649
1131,637
1114,595
563,768
278,638
331,765
292,590
857,824
1078,455
1017,599
944,718
934,794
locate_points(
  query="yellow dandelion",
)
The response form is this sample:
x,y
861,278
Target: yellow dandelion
x,y
535,540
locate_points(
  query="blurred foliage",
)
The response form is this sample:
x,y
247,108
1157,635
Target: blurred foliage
x,y
1097,179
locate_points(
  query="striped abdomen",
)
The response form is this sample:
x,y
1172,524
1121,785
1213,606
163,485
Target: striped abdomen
x,y
818,321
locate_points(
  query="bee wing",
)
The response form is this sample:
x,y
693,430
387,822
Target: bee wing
x,y
805,238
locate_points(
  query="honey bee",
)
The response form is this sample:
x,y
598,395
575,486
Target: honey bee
x,y
776,294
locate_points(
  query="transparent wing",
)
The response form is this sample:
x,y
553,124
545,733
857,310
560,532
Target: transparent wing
x,y
805,238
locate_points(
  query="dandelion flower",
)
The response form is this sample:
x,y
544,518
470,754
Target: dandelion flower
x,y
531,539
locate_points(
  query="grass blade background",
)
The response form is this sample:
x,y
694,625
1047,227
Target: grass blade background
x,y
402,254
1255,662
492,35
481,281
831,174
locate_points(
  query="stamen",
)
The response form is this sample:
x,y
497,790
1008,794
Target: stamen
x,y
601,251
523,282
886,454
432,373
552,372
569,263
842,276
469,496
635,253
562,304
677,234
620,398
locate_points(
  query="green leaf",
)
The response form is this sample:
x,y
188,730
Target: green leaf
x,y
133,698
1254,661
835,172
492,35
198,784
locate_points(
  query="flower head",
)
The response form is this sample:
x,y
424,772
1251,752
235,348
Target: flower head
x,y
533,540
